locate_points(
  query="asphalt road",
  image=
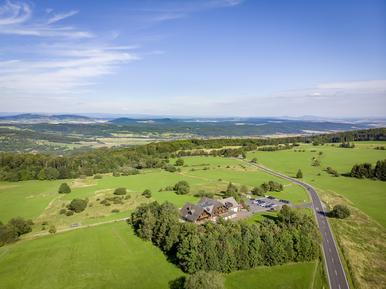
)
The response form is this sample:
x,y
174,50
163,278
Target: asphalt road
x,y
336,275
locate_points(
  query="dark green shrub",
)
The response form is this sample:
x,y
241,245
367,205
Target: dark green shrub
x,y
207,280
146,193
64,189
182,188
340,212
170,168
120,191
77,205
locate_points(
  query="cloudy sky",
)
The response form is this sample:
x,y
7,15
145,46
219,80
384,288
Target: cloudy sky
x,y
194,57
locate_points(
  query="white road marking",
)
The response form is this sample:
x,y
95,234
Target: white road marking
x,y
339,286
336,273
329,250
332,259
327,241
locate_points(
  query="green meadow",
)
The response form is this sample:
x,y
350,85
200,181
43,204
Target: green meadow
x,y
106,256
110,255
289,276
366,195
40,201
361,236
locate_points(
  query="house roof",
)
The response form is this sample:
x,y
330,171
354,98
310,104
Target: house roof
x,y
191,212
209,204
229,202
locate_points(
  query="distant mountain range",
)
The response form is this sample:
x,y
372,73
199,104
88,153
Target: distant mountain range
x,y
43,118
227,126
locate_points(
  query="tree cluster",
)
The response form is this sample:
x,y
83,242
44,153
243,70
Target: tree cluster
x,y
366,170
11,231
227,246
271,186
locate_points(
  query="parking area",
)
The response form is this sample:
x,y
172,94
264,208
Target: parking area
x,y
268,203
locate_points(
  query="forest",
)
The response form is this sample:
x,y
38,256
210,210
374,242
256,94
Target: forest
x,y
28,166
227,246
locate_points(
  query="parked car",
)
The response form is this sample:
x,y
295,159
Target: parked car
x,y
271,198
285,201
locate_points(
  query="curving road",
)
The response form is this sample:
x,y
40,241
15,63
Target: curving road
x,y
335,272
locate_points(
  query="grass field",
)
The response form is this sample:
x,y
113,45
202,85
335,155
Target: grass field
x,y
111,256
106,256
367,195
362,236
289,276
40,201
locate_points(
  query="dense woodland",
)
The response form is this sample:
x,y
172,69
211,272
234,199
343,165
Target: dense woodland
x,y
227,246
25,166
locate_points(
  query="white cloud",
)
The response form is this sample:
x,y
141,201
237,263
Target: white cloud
x,y
14,13
61,16
69,70
15,18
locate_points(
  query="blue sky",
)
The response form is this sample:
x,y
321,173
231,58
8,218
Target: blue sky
x,y
199,58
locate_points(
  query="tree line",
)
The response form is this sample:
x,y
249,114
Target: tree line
x,y
123,161
227,246
366,170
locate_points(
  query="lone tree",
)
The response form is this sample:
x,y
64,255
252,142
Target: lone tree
x,y
207,280
64,189
179,162
340,212
299,174
182,188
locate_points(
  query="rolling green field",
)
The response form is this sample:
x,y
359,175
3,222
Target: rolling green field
x,y
110,255
367,195
361,237
106,256
40,201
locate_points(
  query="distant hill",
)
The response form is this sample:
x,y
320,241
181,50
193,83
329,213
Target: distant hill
x,y
46,118
126,120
